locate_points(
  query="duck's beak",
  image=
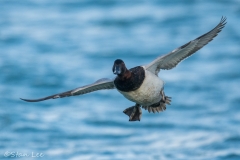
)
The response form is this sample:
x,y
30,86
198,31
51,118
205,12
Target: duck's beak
x,y
117,70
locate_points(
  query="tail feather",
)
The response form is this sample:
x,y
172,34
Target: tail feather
x,y
159,107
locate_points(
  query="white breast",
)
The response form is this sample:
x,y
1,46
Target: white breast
x,y
148,93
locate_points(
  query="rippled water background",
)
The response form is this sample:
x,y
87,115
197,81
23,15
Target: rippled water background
x,y
48,47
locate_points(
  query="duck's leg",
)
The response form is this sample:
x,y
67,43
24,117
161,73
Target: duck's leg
x,y
134,113
165,99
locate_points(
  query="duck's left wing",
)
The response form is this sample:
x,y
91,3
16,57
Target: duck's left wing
x,y
171,59
100,84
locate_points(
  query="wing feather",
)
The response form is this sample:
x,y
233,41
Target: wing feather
x,y
98,85
171,59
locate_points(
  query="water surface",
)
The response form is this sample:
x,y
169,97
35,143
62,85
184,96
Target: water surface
x,y
48,47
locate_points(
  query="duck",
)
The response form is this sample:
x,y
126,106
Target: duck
x,y
141,84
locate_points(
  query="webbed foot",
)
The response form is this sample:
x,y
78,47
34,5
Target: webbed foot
x,y
134,113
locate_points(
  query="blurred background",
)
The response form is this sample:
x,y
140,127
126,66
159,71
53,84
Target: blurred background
x,y
47,47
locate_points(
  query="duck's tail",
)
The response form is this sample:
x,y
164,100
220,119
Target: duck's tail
x,y
158,107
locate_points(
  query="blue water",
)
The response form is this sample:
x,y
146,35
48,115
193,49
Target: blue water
x,y
47,47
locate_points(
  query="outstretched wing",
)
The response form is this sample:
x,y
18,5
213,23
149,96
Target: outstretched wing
x,y
171,59
100,84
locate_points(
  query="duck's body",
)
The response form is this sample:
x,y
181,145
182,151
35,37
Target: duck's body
x,y
141,84
147,93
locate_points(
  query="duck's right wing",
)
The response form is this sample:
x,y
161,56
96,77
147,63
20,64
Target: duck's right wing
x,y
100,84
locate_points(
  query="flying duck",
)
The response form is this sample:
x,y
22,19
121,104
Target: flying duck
x,y
141,84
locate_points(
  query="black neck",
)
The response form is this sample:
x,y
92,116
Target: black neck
x,y
131,80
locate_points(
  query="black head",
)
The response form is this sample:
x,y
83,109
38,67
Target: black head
x,y
119,67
